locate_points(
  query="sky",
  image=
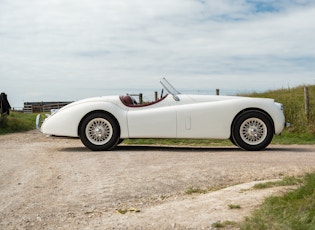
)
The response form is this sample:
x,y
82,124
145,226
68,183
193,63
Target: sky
x,y
64,50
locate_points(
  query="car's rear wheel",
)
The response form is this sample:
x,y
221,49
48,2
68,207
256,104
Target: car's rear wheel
x,y
252,130
99,131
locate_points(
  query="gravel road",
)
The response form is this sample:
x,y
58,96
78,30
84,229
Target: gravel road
x,y
55,183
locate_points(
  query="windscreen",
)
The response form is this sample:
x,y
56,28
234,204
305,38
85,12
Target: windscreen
x,y
168,87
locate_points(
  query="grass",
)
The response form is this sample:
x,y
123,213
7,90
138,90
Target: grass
x,y
196,190
294,107
179,142
288,138
234,206
286,181
17,122
224,224
193,190
294,210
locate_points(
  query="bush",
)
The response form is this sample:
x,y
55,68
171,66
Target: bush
x,y
3,121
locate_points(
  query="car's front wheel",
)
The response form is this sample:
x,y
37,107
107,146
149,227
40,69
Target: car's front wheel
x,y
252,130
99,131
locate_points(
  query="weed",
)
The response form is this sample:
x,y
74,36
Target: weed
x,y
224,224
127,210
195,190
287,181
234,206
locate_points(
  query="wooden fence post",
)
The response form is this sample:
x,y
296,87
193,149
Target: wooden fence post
x,y
217,91
307,102
140,98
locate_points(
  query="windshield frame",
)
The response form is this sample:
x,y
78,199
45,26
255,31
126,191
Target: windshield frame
x,y
169,87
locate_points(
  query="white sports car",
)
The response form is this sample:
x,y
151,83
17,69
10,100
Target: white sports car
x,y
103,122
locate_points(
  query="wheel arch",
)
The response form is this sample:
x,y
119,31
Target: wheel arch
x,y
252,109
99,111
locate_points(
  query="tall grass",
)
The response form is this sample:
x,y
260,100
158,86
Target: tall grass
x,y
294,107
17,122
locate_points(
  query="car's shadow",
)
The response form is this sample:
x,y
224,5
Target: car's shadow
x,y
174,148
147,148
207,148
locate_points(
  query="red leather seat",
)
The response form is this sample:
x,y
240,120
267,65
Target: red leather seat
x,y
126,100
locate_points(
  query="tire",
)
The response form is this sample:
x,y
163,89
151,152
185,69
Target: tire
x,y
252,131
99,131
120,141
232,140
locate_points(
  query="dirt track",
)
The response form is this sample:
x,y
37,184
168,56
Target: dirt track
x,y
51,183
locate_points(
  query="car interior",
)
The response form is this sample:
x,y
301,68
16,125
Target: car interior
x,y
129,101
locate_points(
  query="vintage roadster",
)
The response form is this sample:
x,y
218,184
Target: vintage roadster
x,y
103,122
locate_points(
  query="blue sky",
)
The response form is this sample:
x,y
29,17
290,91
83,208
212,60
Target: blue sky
x,y
72,49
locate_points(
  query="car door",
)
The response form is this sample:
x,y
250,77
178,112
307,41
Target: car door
x,y
152,121
202,117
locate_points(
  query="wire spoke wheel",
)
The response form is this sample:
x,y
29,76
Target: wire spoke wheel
x,y
253,131
99,131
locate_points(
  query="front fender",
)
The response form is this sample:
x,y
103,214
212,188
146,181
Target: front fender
x,y
66,121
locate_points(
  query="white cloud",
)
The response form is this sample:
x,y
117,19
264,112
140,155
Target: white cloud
x,y
77,47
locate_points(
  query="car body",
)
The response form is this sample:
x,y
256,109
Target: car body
x,y
103,122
